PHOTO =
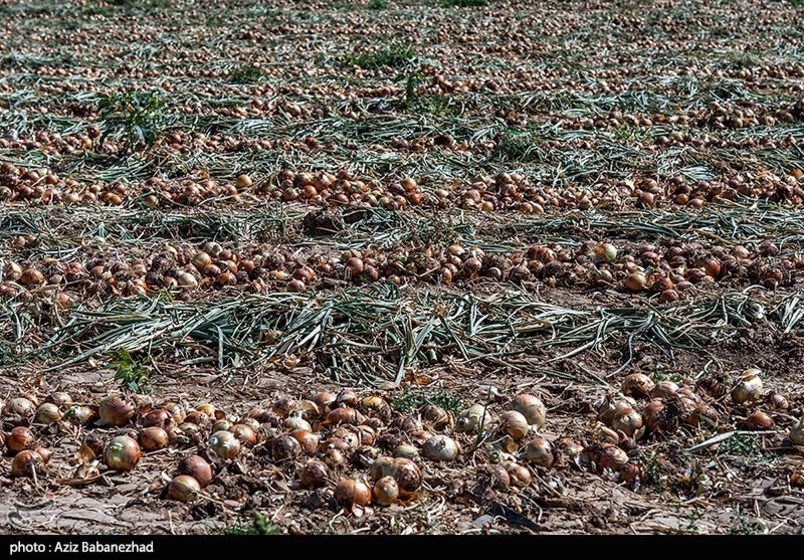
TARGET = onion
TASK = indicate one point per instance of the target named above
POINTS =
(296, 423)
(176, 411)
(539, 452)
(324, 400)
(309, 410)
(285, 447)
(115, 411)
(80, 415)
(122, 453)
(44, 453)
(703, 413)
(347, 397)
(497, 476)
(570, 449)
(284, 407)
(664, 390)
(153, 438)
(532, 408)
(25, 464)
(637, 385)
(406, 451)
(375, 406)
(208, 409)
(198, 418)
(407, 475)
(758, 421)
(352, 493)
(198, 468)
(307, 440)
(658, 418)
(201, 259)
(346, 415)
(635, 282)
(20, 406)
(184, 488)
(158, 417)
(605, 253)
(797, 433)
(519, 475)
(612, 458)
(224, 444)
(627, 421)
(61, 399)
(474, 419)
(748, 388)
(440, 448)
(435, 417)
(222, 424)
(335, 458)
(514, 424)
(20, 439)
(314, 474)
(47, 413)
(386, 491)
(383, 466)
(609, 407)
(245, 434)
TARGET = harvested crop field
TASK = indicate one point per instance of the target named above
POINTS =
(397, 267)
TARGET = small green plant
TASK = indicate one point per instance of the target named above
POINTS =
(132, 374)
(259, 525)
(413, 399)
(395, 55)
(518, 146)
(742, 444)
(246, 75)
(464, 3)
(378, 5)
(137, 116)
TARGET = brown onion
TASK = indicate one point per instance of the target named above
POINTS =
(20, 406)
(514, 424)
(224, 444)
(637, 385)
(20, 439)
(153, 438)
(324, 400)
(122, 453)
(25, 464)
(184, 488)
(539, 452)
(285, 447)
(245, 434)
(748, 388)
(758, 421)
(386, 491)
(407, 475)
(352, 493)
(518, 475)
(314, 474)
(61, 399)
(627, 421)
(307, 440)
(435, 417)
(664, 390)
(345, 415)
(47, 413)
(114, 410)
(612, 458)
(158, 417)
(532, 408)
(440, 448)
